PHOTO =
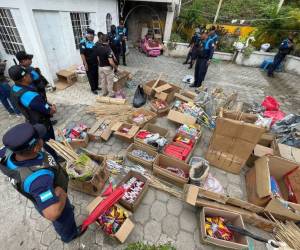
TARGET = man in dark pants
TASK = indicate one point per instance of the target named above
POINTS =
(115, 43)
(89, 60)
(122, 32)
(204, 55)
(285, 48)
(31, 104)
(36, 175)
(194, 46)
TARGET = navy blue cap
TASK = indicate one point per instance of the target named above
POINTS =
(22, 55)
(23, 136)
(17, 72)
(90, 31)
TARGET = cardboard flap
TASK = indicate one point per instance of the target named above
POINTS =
(276, 207)
(163, 88)
(261, 151)
(124, 230)
(191, 194)
(116, 126)
(289, 152)
(262, 177)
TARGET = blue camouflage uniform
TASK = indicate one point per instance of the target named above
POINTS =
(123, 34)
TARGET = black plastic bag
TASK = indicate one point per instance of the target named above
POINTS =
(139, 98)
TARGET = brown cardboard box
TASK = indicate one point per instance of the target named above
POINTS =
(128, 137)
(80, 143)
(96, 184)
(287, 152)
(259, 187)
(186, 96)
(66, 78)
(95, 133)
(153, 129)
(239, 241)
(120, 79)
(126, 227)
(162, 162)
(149, 117)
(181, 118)
(233, 141)
(159, 112)
(146, 164)
(133, 206)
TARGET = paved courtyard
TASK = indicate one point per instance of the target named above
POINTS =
(160, 218)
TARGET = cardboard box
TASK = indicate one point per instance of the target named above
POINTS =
(96, 184)
(239, 241)
(126, 228)
(79, 143)
(133, 206)
(149, 117)
(162, 162)
(259, 187)
(287, 152)
(233, 141)
(66, 78)
(127, 137)
(159, 112)
(181, 118)
(101, 130)
(186, 96)
(120, 79)
(153, 129)
(146, 164)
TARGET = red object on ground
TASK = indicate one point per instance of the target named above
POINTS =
(143, 134)
(270, 104)
(103, 206)
(275, 115)
(178, 150)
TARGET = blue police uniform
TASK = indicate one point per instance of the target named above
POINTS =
(284, 49)
(204, 54)
(192, 55)
(123, 33)
(37, 178)
(38, 81)
(87, 48)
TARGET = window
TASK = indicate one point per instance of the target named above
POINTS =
(80, 22)
(9, 34)
(108, 22)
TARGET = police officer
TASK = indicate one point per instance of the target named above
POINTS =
(204, 55)
(194, 46)
(31, 104)
(285, 48)
(213, 35)
(122, 32)
(115, 43)
(89, 59)
(36, 175)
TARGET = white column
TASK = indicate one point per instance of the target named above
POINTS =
(168, 25)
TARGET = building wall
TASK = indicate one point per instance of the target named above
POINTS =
(23, 13)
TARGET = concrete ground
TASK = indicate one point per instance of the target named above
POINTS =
(160, 218)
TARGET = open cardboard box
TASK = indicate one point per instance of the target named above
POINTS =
(133, 206)
(120, 79)
(128, 137)
(96, 184)
(149, 116)
(95, 133)
(181, 118)
(126, 227)
(146, 164)
(258, 185)
(239, 241)
(162, 162)
(163, 132)
(186, 96)
(287, 152)
(79, 143)
(159, 112)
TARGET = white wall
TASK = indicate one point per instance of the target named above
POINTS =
(22, 11)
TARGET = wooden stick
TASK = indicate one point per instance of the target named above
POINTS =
(154, 85)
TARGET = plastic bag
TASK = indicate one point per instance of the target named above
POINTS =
(213, 185)
(270, 104)
(139, 98)
(275, 115)
(264, 122)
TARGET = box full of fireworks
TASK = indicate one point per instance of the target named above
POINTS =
(125, 131)
(160, 107)
(101, 130)
(142, 116)
(215, 228)
(183, 143)
(171, 170)
(136, 186)
(152, 136)
(142, 155)
(115, 222)
(76, 136)
(95, 181)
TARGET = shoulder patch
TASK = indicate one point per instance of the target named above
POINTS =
(46, 195)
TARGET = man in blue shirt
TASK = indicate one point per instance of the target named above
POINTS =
(285, 48)
(204, 56)
(31, 104)
(115, 43)
(123, 33)
(89, 59)
(36, 175)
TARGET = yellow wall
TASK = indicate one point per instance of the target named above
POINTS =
(244, 30)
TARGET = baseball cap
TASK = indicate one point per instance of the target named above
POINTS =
(17, 72)
(23, 136)
(22, 55)
(90, 31)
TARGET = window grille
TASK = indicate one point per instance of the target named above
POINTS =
(80, 22)
(9, 34)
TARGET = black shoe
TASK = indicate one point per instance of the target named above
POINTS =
(125, 64)
(270, 75)
(98, 88)
(194, 86)
(190, 67)
(53, 122)
(185, 62)
(95, 92)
